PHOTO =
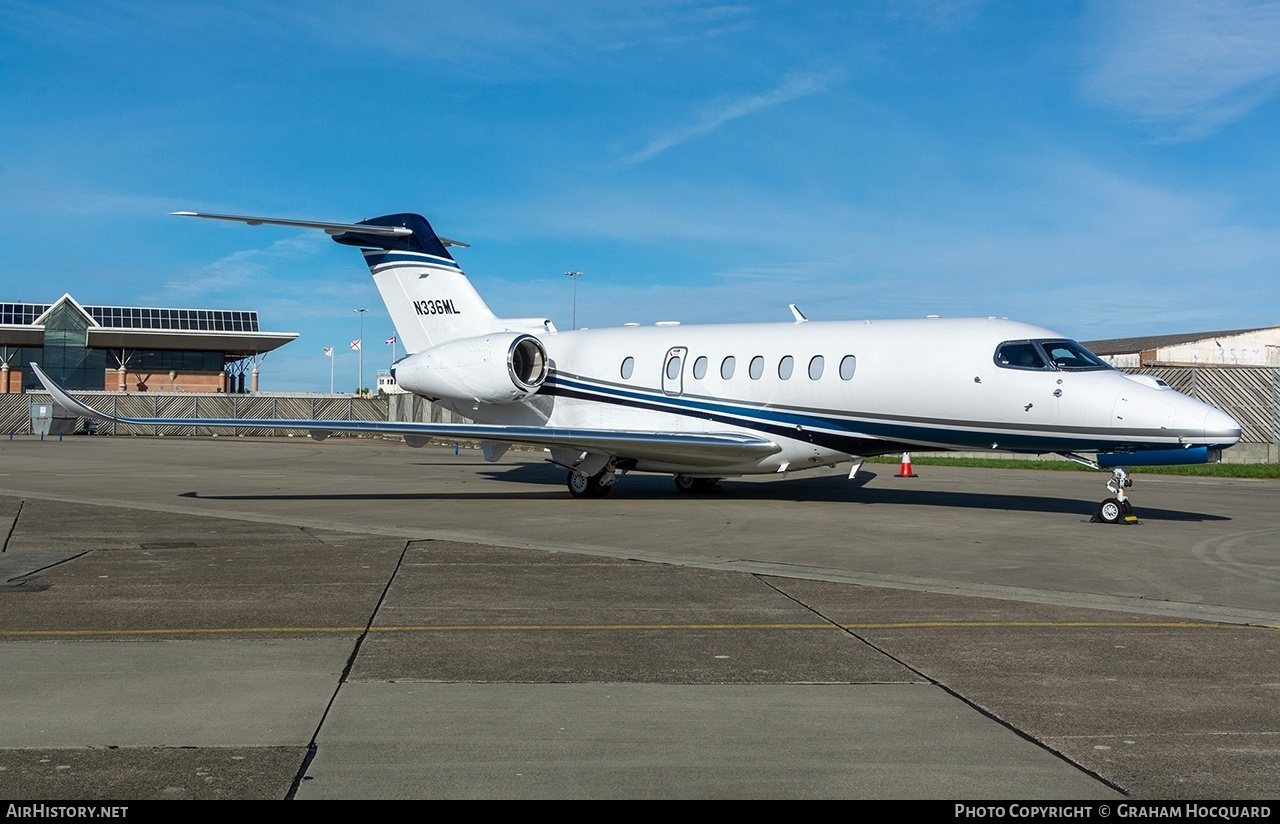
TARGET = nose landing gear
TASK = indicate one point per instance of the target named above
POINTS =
(1117, 510)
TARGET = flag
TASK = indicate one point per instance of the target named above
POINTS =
(355, 344)
(328, 350)
(391, 340)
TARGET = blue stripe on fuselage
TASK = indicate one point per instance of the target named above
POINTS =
(851, 435)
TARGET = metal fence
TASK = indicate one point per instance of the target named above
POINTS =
(15, 414)
(406, 407)
(1250, 394)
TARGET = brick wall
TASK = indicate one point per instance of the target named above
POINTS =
(207, 382)
(10, 381)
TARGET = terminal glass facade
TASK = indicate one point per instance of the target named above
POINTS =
(65, 355)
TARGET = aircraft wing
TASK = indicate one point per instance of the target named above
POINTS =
(710, 449)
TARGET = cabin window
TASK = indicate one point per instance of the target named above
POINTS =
(628, 367)
(786, 366)
(1020, 354)
(673, 367)
(700, 368)
(726, 367)
(756, 368)
(816, 365)
(848, 365)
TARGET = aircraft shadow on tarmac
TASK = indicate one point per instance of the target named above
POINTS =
(825, 489)
(840, 490)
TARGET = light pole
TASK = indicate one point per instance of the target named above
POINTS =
(575, 276)
(360, 350)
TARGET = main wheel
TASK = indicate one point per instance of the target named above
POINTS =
(1111, 511)
(686, 484)
(582, 486)
(587, 486)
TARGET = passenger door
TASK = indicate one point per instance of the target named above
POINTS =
(673, 370)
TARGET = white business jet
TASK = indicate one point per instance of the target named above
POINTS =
(711, 401)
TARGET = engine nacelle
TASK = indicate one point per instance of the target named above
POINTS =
(497, 368)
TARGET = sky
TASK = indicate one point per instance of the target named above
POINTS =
(1103, 169)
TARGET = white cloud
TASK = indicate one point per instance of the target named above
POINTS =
(511, 39)
(1058, 240)
(939, 15)
(42, 193)
(1186, 66)
(249, 270)
(717, 113)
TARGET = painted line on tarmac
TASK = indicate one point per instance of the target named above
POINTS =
(57, 633)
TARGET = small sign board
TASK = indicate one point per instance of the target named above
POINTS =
(41, 418)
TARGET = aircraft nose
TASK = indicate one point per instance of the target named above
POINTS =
(1218, 424)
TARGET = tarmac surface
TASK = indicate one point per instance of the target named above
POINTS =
(275, 618)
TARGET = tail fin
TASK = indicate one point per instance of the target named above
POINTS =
(429, 298)
(430, 301)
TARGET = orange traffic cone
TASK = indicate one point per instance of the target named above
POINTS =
(905, 472)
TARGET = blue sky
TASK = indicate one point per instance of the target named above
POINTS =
(1103, 169)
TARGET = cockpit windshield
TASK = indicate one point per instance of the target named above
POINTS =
(1047, 355)
(1067, 354)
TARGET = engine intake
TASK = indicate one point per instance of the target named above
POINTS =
(527, 363)
(497, 368)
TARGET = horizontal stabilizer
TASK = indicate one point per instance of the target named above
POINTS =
(709, 449)
(330, 228)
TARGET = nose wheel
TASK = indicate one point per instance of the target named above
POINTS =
(1117, 510)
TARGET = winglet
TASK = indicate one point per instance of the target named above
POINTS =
(62, 398)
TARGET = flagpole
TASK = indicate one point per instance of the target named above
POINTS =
(360, 351)
(330, 370)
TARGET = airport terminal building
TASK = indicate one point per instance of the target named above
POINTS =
(132, 349)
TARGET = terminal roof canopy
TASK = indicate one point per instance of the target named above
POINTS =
(232, 332)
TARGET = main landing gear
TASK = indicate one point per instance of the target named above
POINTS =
(591, 486)
(601, 484)
(687, 485)
(1117, 510)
